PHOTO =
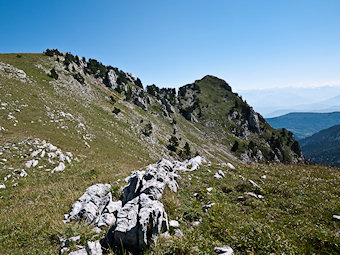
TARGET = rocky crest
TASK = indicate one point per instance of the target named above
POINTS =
(209, 102)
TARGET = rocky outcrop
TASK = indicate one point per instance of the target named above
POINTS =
(12, 72)
(95, 207)
(167, 105)
(140, 216)
(254, 123)
(112, 78)
(140, 103)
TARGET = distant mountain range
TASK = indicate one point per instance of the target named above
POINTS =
(330, 105)
(305, 124)
(275, 102)
(323, 147)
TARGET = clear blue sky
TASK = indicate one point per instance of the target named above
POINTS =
(250, 44)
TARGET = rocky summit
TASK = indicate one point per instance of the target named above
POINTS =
(93, 161)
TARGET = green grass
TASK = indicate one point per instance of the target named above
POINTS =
(294, 217)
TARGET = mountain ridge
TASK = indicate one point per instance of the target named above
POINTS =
(304, 124)
(323, 147)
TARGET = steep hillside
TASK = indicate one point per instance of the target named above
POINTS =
(323, 147)
(67, 122)
(305, 124)
(227, 119)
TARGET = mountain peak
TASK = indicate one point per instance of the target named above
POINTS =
(216, 81)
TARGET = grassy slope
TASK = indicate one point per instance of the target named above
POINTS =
(294, 217)
(31, 213)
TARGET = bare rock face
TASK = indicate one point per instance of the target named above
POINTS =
(167, 105)
(254, 122)
(112, 79)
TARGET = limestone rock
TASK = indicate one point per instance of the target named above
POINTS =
(219, 175)
(208, 206)
(59, 168)
(254, 184)
(225, 250)
(230, 166)
(189, 165)
(95, 206)
(140, 103)
(174, 224)
(31, 163)
(94, 248)
(254, 122)
(336, 217)
(142, 217)
(112, 79)
(168, 106)
(139, 218)
(252, 194)
(79, 252)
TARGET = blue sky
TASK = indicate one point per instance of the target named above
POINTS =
(251, 44)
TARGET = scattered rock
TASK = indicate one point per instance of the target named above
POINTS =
(254, 184)
(220, 172)
(23, 173)
(178, 233)
(337, 217)
(59, 168)
(225, 250)
(230, 166)
(31, 163)
(209, 189)
(219, 175)
(64, 250)
(2, 186)
(189, 165)
(252, 194)
(196, 223)
(174, 223)
(206, 207)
